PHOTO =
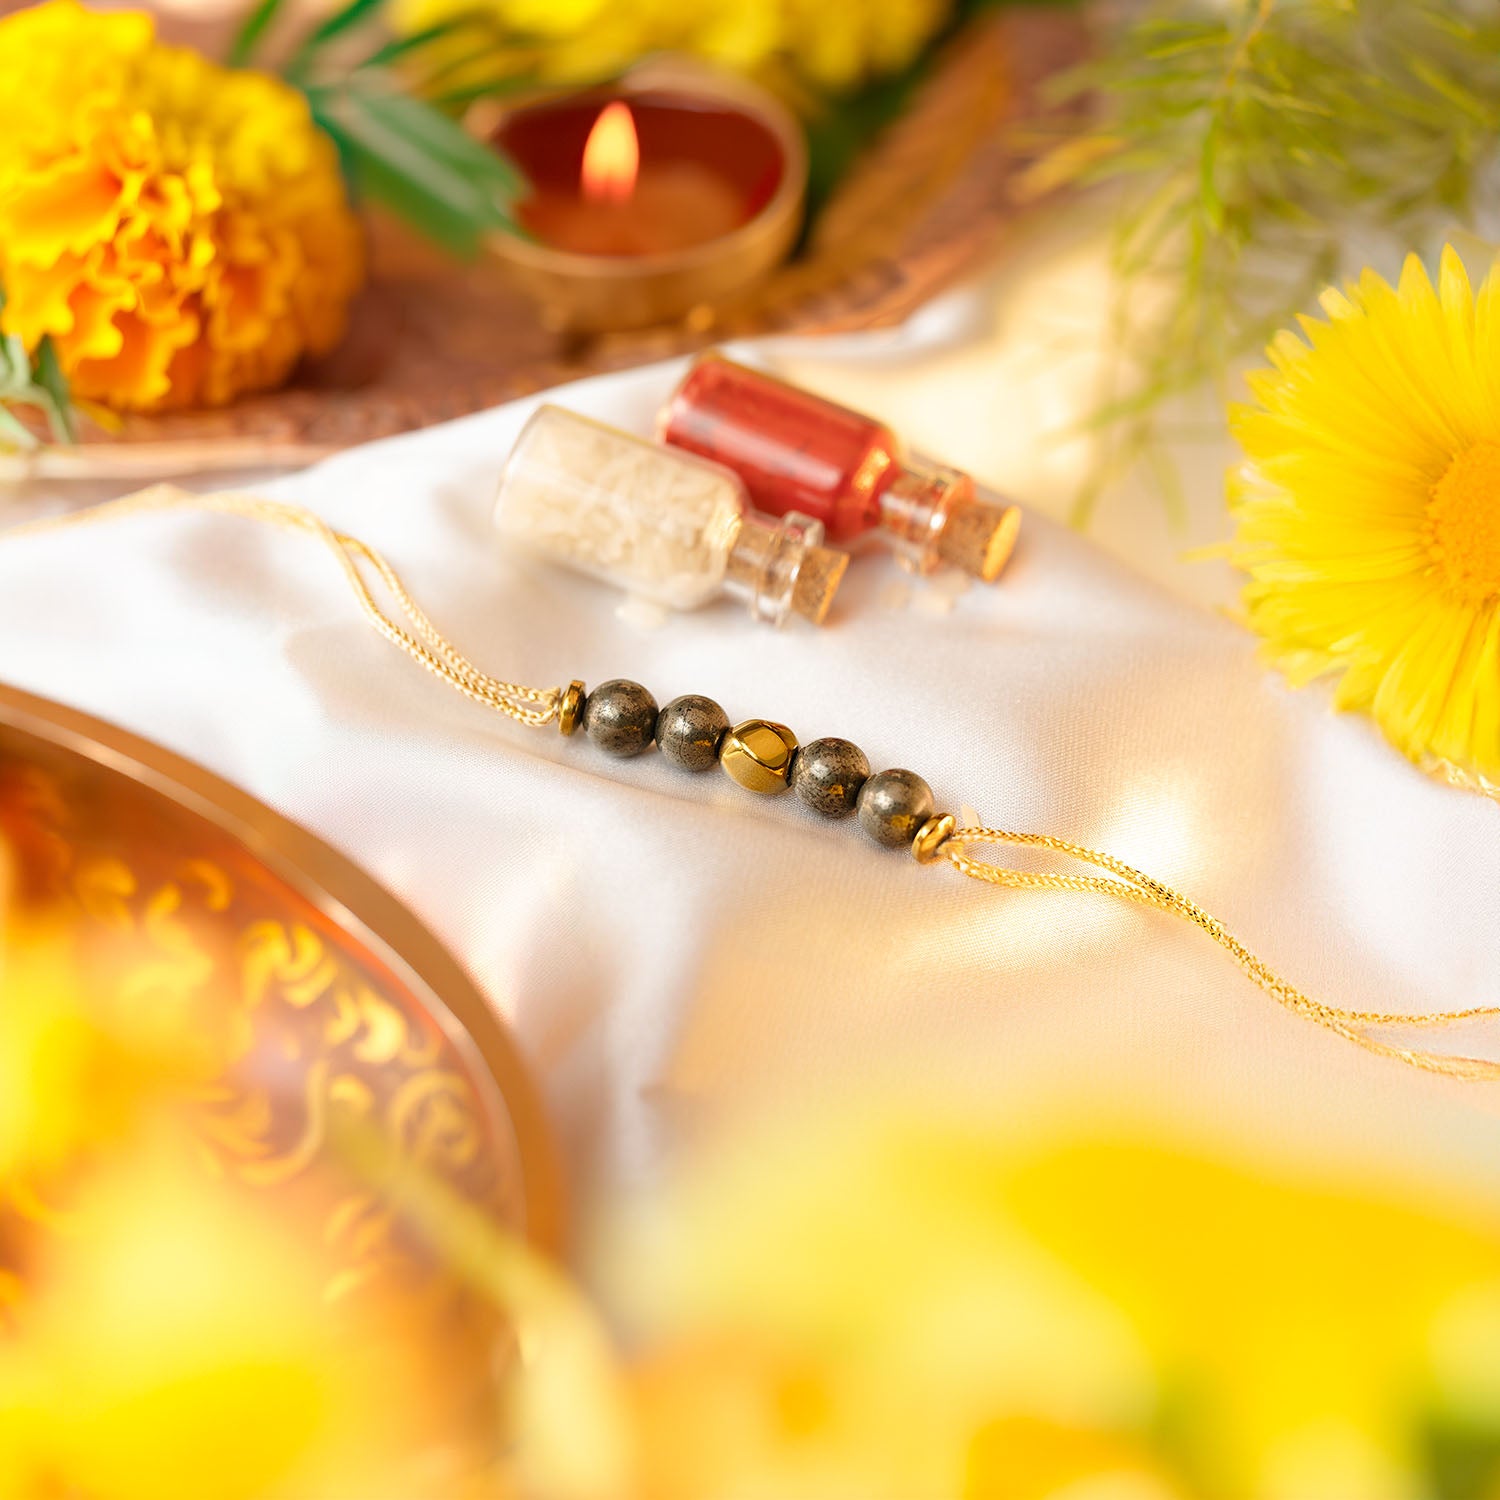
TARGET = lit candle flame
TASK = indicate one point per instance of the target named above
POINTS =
(611, 156)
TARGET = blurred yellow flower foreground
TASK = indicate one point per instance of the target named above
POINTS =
(910, 1304)
(1369, 510)
(179, 230)
(887, 1299)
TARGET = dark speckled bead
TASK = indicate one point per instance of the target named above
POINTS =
(828, 775)
(620, 717)
(893, 805)
(688, 731)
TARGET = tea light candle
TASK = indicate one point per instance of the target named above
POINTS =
(619, 207)
(673, 192)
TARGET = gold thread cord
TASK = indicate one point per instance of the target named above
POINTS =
(424, 642)
(1130, 884)
(431, 650)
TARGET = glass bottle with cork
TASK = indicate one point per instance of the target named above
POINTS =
(797, 452)
(662, 524)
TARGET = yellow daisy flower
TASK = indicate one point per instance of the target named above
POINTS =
(1368, 511)
(179, 230)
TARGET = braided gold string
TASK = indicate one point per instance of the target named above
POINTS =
(432, 651)
(1132, 885)
(428, 647)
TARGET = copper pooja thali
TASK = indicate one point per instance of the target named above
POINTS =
(180, 889)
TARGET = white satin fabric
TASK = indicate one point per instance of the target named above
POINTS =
(670, 948)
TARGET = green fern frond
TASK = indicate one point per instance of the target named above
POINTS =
(1254, 140)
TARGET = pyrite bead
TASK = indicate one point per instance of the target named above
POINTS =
(893, 805)
(688, 731)
(620, 717)
(828, 774)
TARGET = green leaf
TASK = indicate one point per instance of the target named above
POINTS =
(15, 366)
(837, 135)
(419, 163)
(14, 433)
(402, 46)
(440, 137)
(28, 381)
(51, 379)
(345, 18)
(1208, 192)
(252, 33)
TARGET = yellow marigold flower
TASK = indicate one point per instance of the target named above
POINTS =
(1368, 512)
(179, 230)
(835, 45)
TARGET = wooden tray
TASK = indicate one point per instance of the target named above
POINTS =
(928, 203)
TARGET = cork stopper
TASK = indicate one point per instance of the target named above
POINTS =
(780, 566)
(818, 580)
(930, 514)
(979, 538)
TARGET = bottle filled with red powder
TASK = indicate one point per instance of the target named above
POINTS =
(799, 452)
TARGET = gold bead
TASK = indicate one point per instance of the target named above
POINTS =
(758, 755)
(931, 837)
(570, 707)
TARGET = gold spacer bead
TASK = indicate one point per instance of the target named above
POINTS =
(758, 754)
(570, 707)
(931, 837)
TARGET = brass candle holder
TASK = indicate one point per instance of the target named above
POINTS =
(728, 126)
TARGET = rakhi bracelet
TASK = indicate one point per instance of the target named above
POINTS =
(831, 776)
(896, 808)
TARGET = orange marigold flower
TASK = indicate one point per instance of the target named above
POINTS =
(180, 230)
